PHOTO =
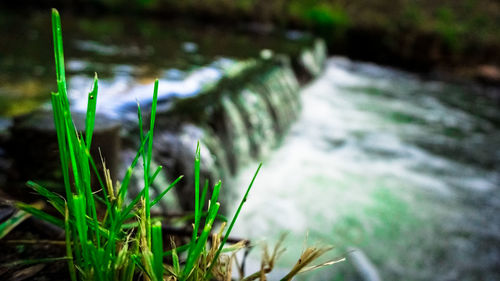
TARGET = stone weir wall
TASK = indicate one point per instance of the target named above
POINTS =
(239, 118)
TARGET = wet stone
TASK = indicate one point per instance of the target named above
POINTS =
(35, 154)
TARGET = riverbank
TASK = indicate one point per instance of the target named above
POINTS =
(461, 38)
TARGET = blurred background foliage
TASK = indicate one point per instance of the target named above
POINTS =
(413, 33)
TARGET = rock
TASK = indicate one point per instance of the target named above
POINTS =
(35, 155)
(311, 61)
(488, 74)
(175, 150)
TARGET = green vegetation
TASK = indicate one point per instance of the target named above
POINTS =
(329, 21)
(109, 237)
(458, 29)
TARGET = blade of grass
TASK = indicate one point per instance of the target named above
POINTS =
(104, 200)
(147, 258)
(139, 119)
(69, 251)
(61, 140)
(155, 174)
(71, 134)
(215, 195)
(126, 180)
(83, 160)
(54, 199)
(40, 214)
(228, 232)
(11, 223)
(81, 227)
(165, 191)
(203, 195)
(91, 108)
(175, 258)
(58, 48)
(147, 164)
(202, 241)
(178, 250)
(197, 218)
(157, 250)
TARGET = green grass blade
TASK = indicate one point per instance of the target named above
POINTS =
(126, 180)
(147, 164)
(128, 209)
(203, 196)
(197, 162)
(40, 214)
(179, 250)
(235, 217)
(202, 241)
(155, 174)
(157, 250)
(90, 118)
(215, 195)
(54, 199)
(160, 196)
(81, 227)
(139, 119)
(104, 200)
(58, 47)
(11, 223)
(61, 140)
(69, 251)
(129, 272)
(95, 226)
(197, 217)
(175, 261)
(137, 261)
(81, 166)
(71, 135)
(151, 126)
(59, 59)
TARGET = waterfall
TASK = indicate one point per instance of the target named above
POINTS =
(240, 118)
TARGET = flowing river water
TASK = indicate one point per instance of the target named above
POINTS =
(403, 168)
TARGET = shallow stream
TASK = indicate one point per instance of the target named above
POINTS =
(403, 168)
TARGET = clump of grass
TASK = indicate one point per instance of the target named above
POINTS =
(109, 238)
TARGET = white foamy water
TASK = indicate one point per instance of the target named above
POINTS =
(385, 162)
(124, 90)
